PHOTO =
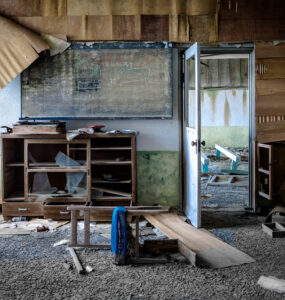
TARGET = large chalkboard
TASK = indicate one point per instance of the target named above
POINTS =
(99, 83)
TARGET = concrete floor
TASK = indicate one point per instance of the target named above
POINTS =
(224, 197)
(31, 268)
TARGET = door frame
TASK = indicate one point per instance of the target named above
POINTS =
(228, 49)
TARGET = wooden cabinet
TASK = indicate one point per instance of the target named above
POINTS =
(42, 174)
(271, 169)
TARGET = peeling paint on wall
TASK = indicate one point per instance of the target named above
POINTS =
(158, 178)
(227, 112)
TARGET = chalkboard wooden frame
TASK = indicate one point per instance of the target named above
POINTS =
(127, 46)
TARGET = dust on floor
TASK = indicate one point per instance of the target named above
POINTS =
(31, 268)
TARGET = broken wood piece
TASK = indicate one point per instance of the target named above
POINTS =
(275, 230)
(199, 247)
(272, 283)
(76, 261)
(110, 191)
(160, 246)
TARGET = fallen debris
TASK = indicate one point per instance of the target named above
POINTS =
(88, 269)
(275, 230)
(272, 283)
(61, 242)
(76, 261)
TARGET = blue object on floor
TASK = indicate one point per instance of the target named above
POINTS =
(119, 218)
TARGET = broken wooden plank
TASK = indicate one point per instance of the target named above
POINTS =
(275, 229)
(111, 191)
(202, 248)
(76, 261)
(272, 283)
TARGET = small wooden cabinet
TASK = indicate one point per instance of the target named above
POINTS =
(43, 174)
(271, 169)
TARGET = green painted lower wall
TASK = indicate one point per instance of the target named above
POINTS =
(228, 136)
(158, 178)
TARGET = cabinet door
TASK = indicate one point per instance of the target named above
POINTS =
(264, 156)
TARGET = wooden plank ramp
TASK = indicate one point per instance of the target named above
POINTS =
(199, 247)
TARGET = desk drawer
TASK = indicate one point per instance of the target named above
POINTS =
(58, 211)
(23, 209)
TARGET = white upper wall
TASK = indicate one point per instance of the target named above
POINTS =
(10, 103)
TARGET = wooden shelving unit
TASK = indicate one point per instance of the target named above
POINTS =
(106, 162)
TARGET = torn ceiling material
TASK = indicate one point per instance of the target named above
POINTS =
(19, 49)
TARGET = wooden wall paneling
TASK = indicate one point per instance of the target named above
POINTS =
(247, 20)
(270, 132)
(99, 28)
(272, 105)
(77, 8)
(126, 27)
(269, 87)
(203, 28)
(201, 7)
(126, 7)
(268, 50)
(89, 7)
(158, 7)
(178, 28)
(273, 68)
(154, 28)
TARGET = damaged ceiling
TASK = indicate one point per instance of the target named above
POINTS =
(130, 20)
(19, 48)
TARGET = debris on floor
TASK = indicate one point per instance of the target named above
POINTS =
(26, 227)
(272, 283)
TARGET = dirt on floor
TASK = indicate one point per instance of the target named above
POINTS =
(31, 268)
(226, 196)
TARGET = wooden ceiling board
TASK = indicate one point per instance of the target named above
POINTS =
(19, 48)
(100, 7)
(126, 28)
(154, 28)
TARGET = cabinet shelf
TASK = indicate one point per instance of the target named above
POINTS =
(57, 169)
(17, 196)
(113, 182)
(15, 164)
(111, 162)
(111, 198)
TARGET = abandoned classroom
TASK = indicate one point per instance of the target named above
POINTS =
(142, 149)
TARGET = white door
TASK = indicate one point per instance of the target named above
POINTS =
(191, 135)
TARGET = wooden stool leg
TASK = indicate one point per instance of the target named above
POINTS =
(137, 244)
(87, 227)
(73, 227)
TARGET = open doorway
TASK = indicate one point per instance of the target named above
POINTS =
(218, 131)
(225, 130)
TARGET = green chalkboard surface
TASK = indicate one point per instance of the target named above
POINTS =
(99, 83)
